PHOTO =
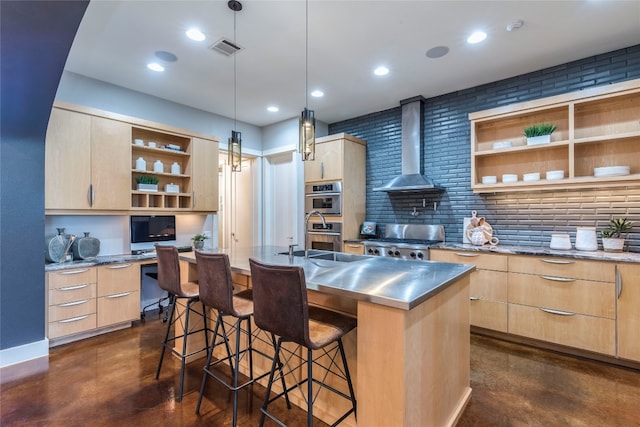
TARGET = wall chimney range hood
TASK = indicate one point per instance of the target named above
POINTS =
(411, 180)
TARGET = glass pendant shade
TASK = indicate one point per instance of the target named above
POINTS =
(235, 151)
(307, 145)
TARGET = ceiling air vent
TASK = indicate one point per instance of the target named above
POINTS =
(225, 47)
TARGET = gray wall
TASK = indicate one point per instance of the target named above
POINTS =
(525, 218)
(36, 37)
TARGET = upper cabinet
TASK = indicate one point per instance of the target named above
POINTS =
(595, 129)
(86, 162)
(95, 160)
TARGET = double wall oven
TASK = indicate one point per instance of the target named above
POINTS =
(325, 198)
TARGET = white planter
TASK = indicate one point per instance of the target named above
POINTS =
(148, 187)
(536, 140)
(612, 244)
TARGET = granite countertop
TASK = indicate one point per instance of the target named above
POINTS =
(386, 281)
(99, 260)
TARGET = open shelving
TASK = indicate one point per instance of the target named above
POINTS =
(595, 128)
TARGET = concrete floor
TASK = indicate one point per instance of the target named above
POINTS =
(109, 380)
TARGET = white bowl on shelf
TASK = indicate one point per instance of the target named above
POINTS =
(559, 174)
(508, 178)
(502, 144)
(534, 176)
(611, 171)
(489, 179)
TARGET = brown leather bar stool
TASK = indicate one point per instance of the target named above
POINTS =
(281, 307)
(169, 280)
(216, 292)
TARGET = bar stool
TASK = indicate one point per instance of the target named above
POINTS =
(281, 307)
(216, 292)
(169, 280)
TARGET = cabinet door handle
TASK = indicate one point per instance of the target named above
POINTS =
(557, 261)
(465, 254)
(618, 282)
(74, 272)
(71, 304)
(561, 313)
(558, 279)
(474, 298)
(194, 199)
(73, 288)
(321, 170)
(117, 266)
(73, 319)
(124, 294)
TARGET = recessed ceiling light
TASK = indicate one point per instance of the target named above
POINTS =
(166, 56)
(515, 25)
(155, 66)
(437, 52)
(273, 109)
(195, 34)
(381, 71)
(477, 37)
(317, 93)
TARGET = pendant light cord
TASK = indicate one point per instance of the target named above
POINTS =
(235, 77)
(306, 58)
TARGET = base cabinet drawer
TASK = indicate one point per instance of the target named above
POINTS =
(72, 293)
(72, 325)
(76, 276)
(488, 314)
(574, 330)
(72, 309)
(118, 308)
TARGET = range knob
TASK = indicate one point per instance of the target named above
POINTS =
(420, 255)
(413, 255)
(397, 253)
(390, 252)
(370, 251)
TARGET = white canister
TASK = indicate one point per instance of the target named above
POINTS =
(141, 165)
(560, 241)
(158, 166)
(175, 168)
(586, 239)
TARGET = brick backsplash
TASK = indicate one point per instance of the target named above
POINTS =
(523, 218)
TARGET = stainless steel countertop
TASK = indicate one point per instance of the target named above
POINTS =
(397, 283)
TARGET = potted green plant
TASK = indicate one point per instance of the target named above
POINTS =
(198, 241)
(612, 240)
(539, 133)
(147, 183)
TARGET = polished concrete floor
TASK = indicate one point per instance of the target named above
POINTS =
(109, 380)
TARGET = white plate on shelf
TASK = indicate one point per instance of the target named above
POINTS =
(611, 171)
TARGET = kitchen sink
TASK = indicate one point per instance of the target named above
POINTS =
(327, 255)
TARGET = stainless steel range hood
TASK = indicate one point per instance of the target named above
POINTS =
(411, 180)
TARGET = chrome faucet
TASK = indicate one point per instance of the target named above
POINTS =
(306, 229)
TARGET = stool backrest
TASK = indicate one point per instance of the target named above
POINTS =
(214, 279)
(280, 301)
(168, 269)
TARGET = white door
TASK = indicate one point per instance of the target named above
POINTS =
(283, 212)
(235, 205)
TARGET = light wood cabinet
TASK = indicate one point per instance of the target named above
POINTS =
(71, 301)
(86, 162)
(118, 296)
(205, 175)
(488, 288)
(628, 321)
(595, 128)
(342, 157)
(563, 301)
(353, 248)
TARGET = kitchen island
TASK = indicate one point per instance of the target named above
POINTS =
(411, 346)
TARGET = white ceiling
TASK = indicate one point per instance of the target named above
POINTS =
(347, 40)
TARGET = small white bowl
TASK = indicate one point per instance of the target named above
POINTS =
(555, 174)
(611, 171)
(534, 176)
(138, 141)
(507, 178)
(489, 179)
(502, 144)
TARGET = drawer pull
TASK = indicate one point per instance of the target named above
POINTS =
(124, 294)
(561, 313)
(474, 298)
(74, 272)
(558, 279)
(465, 254)
(72, 288)
(618, 283)
(354, 246)
(557, 261)
(71, 304)
(117, 266)
(74, 319)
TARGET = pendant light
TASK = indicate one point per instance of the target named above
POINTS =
(235, 142)
(307, 146)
